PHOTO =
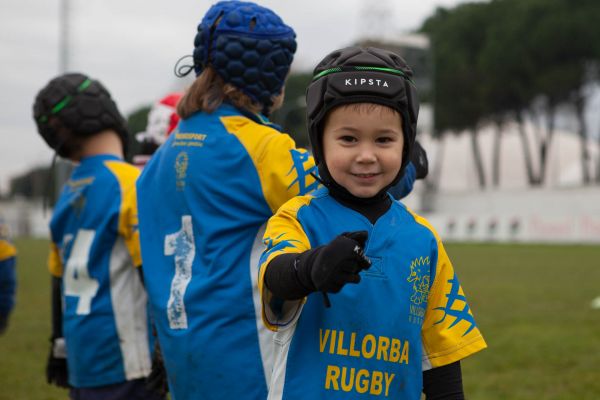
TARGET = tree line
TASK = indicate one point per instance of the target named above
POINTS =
(499, 63)
(507, 61)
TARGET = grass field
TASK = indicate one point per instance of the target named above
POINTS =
(532, 304)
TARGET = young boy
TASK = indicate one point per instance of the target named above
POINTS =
(405, 311)
(99, 302)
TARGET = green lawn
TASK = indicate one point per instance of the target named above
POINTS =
(532, 304)
(24, 347)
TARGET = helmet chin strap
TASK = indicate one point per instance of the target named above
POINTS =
(340, 192)
(182, 70)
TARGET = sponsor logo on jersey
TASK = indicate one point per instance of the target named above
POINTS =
(78, 184)
(188, 139)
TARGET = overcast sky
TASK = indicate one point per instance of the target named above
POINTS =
(132, 46)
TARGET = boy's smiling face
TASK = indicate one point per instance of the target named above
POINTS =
(362, 146)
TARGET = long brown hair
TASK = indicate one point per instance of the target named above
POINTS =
(209, 91)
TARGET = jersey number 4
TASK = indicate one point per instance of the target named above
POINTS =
(181, 245)
(77, 280)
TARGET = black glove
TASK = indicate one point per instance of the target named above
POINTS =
(328, 268)
(157, 380)
(56, 369)
(418, 157)
(339, 262)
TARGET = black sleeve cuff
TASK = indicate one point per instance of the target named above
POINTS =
(443, 383)
(288, 275)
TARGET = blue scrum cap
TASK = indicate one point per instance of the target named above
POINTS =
(249, 46)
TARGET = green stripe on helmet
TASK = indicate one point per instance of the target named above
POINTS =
(64, 102)
(84, 85)
(359, 68)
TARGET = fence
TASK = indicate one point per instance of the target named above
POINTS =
(533, 215)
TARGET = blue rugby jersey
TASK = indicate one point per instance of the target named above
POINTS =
(95, 249)
(407, 314)
(202, 200)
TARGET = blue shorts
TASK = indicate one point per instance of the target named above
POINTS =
(129, 390)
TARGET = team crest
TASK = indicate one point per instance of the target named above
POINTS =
(419, 277)
(79, 204)
(181, 166)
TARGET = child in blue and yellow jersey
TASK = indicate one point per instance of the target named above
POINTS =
(8, 276)
(392, 320)
(203, 200)
(100, 328)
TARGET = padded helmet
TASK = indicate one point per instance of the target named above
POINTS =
(249, 47)
(361, 75)
(81, 105)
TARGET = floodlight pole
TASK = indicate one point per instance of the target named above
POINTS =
(62, 169)
(63, 65)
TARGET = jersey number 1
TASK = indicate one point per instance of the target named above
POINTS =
(181, 245)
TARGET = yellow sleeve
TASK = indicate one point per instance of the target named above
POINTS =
(284, 234)
(7, 249)
(449, 331)
(128, 218)
(284, 171)
(54, 261)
